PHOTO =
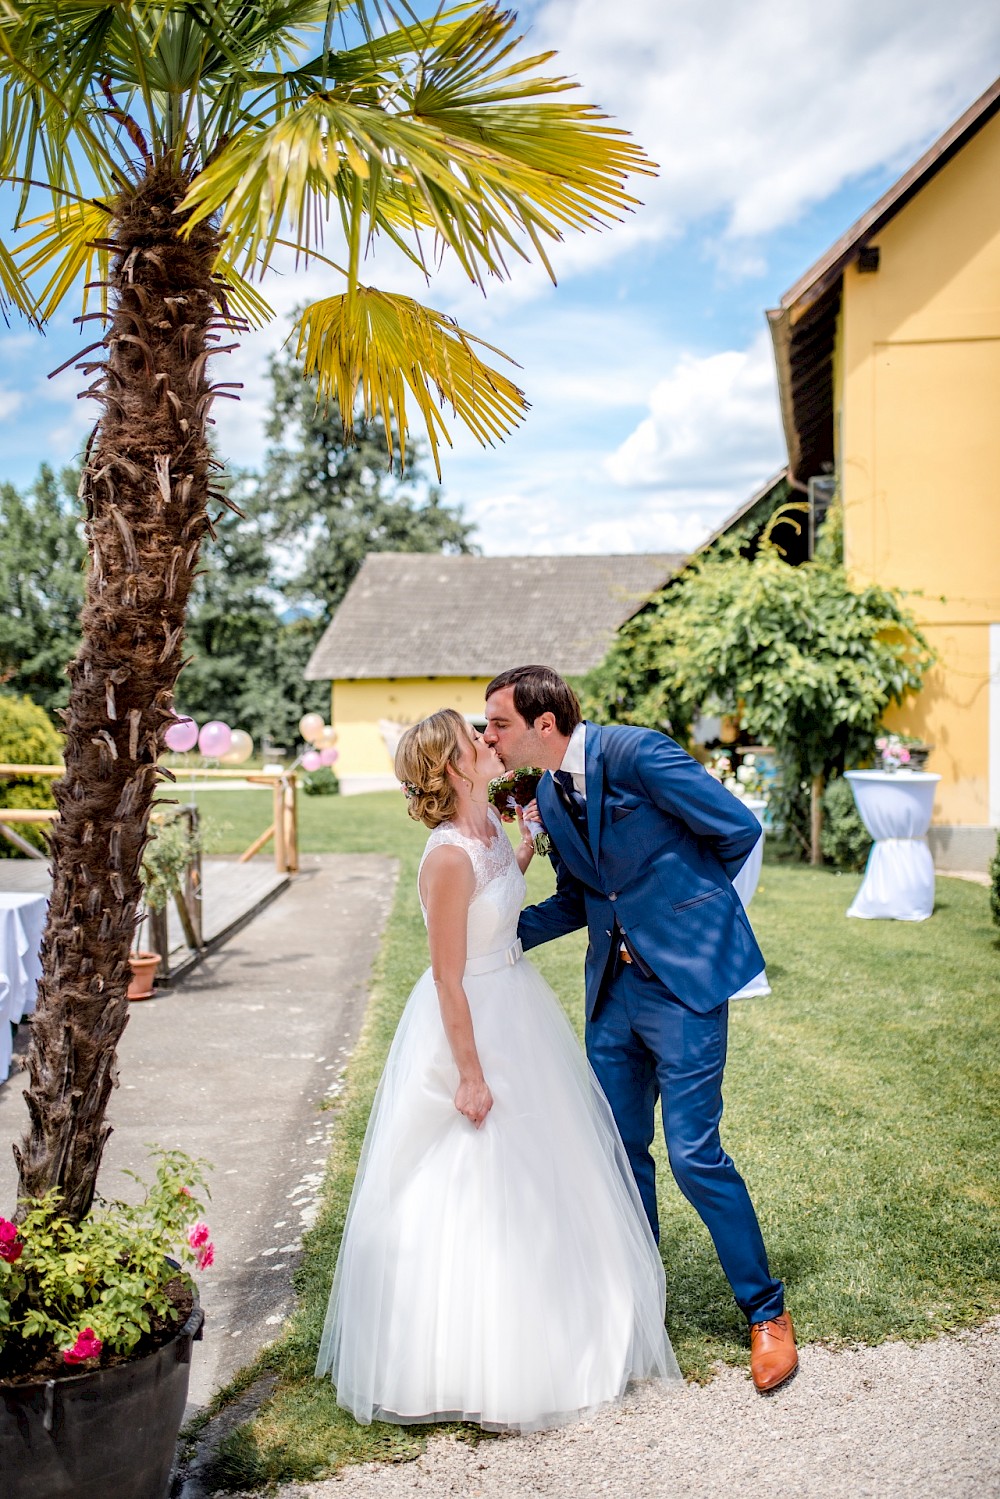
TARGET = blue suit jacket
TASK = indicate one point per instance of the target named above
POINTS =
(665, 841)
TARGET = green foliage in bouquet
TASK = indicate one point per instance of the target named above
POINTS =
(27, 737)
(84, 1292)
(844, 841)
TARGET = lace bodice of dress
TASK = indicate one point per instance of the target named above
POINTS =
(499, 892)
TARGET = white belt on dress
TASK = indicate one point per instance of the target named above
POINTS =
(491, 961)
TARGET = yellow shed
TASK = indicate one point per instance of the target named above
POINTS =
(888, 358)
(420, 631)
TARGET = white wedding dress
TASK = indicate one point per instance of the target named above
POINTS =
(505, 1275)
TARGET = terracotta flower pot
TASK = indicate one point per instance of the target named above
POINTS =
(144, 966)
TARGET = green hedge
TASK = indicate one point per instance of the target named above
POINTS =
(844, 841)
(27, 737)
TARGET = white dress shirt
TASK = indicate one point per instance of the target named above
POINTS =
(575, 758)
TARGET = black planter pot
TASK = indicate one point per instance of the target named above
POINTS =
(104, 1434)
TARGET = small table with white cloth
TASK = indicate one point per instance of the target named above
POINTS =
(895, 807)
(22, 919)
(745, 885)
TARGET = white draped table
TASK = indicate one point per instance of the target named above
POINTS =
(895, 807)
(22, 918)
(745, 885)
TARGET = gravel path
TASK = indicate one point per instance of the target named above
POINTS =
(866, 1423)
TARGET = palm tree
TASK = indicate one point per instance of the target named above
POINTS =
(182, 145)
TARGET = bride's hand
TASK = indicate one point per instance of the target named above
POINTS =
(532, 814)
(474, 1100)
(525, 851)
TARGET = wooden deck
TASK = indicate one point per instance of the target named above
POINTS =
(232, 894)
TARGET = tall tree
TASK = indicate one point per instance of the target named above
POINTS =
(808, 662)
(247, 650)
(181, 145)
(334, 502)
(42, 557)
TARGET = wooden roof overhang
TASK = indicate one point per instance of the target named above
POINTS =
(804, 327)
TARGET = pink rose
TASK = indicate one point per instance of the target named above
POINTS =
(11, 1247)
(206, 1257)
(87, 1345)
(198, 1234)
(185, 1191)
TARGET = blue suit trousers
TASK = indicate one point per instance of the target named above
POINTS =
(643, 1042)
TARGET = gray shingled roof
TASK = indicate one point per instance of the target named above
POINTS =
(410, 614)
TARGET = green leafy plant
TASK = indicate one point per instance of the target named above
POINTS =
(27, 737)
(995, 884)
(320, 782)
(808, 662)
(89, 1293)
(844, 841)
(167, 857)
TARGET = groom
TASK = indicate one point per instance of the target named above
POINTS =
(647, 844)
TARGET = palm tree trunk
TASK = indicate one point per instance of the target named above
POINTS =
(146, 485)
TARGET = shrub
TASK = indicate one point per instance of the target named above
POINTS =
(995, 884)
(320, 782)
(27, 737)
(845, 841)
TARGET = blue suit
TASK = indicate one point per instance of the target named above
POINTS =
(653, 867)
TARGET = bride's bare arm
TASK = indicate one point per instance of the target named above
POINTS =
(525, 851)
(448, 887)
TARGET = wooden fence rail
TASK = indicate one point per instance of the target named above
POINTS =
(284, 828)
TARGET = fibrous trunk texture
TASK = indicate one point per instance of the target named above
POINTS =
(146, 485)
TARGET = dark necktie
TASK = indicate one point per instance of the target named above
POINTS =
(574, 801)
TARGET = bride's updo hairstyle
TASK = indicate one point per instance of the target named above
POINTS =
(422, 759)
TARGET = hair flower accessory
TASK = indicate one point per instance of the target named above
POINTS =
(409, 790)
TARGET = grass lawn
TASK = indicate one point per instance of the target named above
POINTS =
(861, 1107)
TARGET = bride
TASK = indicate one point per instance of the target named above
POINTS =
(496, 1264)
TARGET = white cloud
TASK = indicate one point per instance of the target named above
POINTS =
(757, 111)
(713, 422)
(10, 401)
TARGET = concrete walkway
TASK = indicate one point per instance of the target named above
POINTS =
(232, 1064)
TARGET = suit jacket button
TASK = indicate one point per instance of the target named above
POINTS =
(613, 895)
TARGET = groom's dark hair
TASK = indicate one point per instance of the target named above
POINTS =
(539, 689)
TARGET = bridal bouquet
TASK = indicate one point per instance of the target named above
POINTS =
(516, 789)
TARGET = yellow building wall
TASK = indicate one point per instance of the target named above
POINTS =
(357, 707)
(917, 382)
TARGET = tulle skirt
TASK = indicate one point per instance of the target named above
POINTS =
(505, 1275)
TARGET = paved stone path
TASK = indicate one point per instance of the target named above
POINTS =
(232, 1064)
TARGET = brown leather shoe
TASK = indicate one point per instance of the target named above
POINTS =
(773, 1355)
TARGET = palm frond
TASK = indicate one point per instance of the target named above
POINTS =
(14, 290)
(480, 147)
(241, 297)
(71, 241)
(387, 344)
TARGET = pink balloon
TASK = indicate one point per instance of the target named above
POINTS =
(182, 735)
(329, 756)
(215, 739)
(311, 760)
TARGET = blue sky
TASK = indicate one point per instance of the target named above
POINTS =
(654, 413)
